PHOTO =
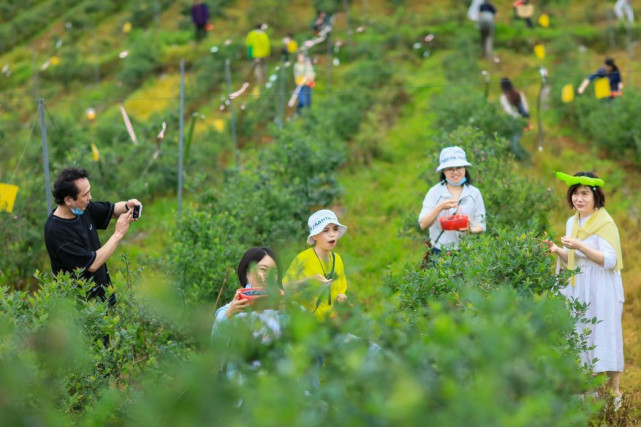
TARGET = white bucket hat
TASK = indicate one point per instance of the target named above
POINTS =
(452, 157)
(321, 219)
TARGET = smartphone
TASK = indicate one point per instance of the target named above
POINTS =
(137, 211)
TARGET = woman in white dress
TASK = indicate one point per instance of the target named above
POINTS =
(592, 244)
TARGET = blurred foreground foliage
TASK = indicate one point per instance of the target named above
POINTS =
(496, 356)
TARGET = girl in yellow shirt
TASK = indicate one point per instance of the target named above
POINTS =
(317, 274)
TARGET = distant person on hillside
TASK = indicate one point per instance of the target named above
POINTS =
(609, 71)
(71, 231)
(259, 50)
(200, 18)
(317, 275)
(473, 10)
(591, 244)
(322, 24)
(487, 14)
(524, 10)
(304, 76)
(623, 10)
(453, 195)
(514, 104)
(289, 47)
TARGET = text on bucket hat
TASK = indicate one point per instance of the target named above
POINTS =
(452, 157)
(321, 219)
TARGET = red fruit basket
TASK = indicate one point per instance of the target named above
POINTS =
(252, 293)
(454, 222)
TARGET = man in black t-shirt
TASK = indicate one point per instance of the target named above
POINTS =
(71, 231)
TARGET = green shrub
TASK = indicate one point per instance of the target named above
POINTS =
(142, 14)
(55, 337)
(487, 365)
(508, 257)
(329, 6)
(271, 13)
(31, 21)
(254, 115)
(9, 9)
(141, 62)
(217, 7)
(463, 107)
(611, 124)
(461, 64)
(22, 230)
(72, 68)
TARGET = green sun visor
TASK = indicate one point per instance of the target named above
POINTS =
(583, 180)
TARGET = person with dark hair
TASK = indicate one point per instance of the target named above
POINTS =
(487, 15)
(71, 230)
(253, 271)
(200, 18)
(609, 71)
(514, 104)
(513, 101)
(321, 24)
(454, 194)
(592, 244)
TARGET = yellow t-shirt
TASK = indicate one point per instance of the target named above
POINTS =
(260, 45)
(292, 46)
(307, 264)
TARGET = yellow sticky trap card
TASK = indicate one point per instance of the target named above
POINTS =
(539, 51)
(8, 194)
(219, 125)
(567, 93)
(544, 20)
(95, 152)
(602, 88)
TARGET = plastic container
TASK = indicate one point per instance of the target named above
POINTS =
(454, 222)
(252, 293)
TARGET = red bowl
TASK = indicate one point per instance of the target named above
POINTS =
(252, 293)
(454, 222)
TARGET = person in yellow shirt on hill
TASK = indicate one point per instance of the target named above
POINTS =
(289, 47)
(259, 49)
(317, 275)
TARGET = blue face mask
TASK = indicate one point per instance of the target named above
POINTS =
(77, 211)
(463, 181)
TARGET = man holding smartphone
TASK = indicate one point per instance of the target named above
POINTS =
(71, 231)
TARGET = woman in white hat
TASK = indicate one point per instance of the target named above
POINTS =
(318, 272)
(454, 194)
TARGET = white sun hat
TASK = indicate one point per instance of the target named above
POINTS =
(321, 219)
(452, 157)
